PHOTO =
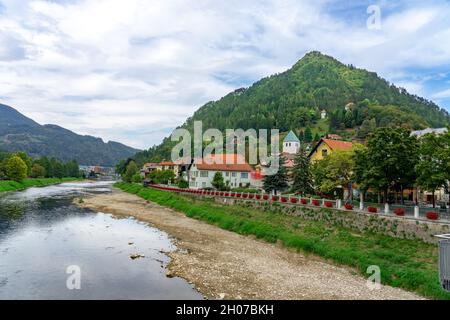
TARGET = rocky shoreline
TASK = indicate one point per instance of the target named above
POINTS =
(225, 265)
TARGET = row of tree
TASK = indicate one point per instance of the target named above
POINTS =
(392, 161)
(19, 166)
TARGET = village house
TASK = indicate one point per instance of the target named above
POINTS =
(291, 144)
(327, 146)
(235, 173)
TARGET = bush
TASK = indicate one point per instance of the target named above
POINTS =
(137, 178)
(372, 209)
(316, 202)
(182, 184)
(294, 200)
(348, 206)
(328, 204)
(399, 211)
(432, 215)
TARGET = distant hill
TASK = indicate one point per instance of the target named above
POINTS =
(19, 133)
(355, 100)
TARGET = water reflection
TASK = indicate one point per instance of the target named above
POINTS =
(42, 233)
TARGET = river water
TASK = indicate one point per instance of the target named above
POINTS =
(51, 249)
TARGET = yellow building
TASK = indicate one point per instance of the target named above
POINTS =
(327, 146)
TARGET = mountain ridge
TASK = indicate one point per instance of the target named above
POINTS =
(293, 100)
(20, 133)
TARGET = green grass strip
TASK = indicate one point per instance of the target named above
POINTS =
(408, 264)
(8, 185)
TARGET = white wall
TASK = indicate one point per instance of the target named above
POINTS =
(291, 147)
(198, 180)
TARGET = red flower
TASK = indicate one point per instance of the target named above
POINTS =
(316, 202)
(399, 211)
(265, 197)
(238, 195)
(304, 201)
(348, 206)
(227, 194)
(372, 209)
(294, 200)
(258, 196)
(274, 198)
(251, 196)
(432, 215)
(283, 199)
(328, 204)
(245, 196)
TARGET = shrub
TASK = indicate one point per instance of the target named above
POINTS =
(294, 200)
(316, 202)
(399, 211)
(348, 206)
(304, 201)
(432, 215)
(372, 209)
(328, 204)
(274, 198)
(283, 199)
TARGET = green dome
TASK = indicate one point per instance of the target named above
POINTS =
(291, 137)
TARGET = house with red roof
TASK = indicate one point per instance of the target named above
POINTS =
(235, 170)
(327, 146)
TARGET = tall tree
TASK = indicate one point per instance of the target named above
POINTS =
(16, 168)
(301, 173)
(308, 134)
(389, 160)
(334, 172)
(431, 168)
(218, 181)
(277, 181)
(130, 171)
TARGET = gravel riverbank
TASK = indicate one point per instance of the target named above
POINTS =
(223, 264)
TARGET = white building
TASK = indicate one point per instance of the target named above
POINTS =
(421, 133)
(291, 144)
(323, 114)
(235, 173)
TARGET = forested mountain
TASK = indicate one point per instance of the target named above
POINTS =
(356, 101)
(19, 133)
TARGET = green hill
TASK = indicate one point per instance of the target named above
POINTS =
(294, 99)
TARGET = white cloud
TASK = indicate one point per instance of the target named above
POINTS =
(131, 70)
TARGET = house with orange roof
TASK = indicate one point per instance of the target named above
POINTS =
(327, 146)
(235, 170)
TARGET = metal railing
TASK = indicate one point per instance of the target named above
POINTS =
(444, 260)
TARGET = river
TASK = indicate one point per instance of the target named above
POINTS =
(51, 249)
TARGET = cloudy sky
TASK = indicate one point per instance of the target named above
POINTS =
(132, 70)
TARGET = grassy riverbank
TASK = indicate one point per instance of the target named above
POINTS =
(409, 264)
(8, 185)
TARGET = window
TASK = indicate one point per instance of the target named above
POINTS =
(203, 184)
(227, 174)
(204, 174)
(233, 174)
(244, 175)
(324, 152)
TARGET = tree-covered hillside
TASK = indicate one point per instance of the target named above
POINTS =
(356, 101)
(19, 133)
